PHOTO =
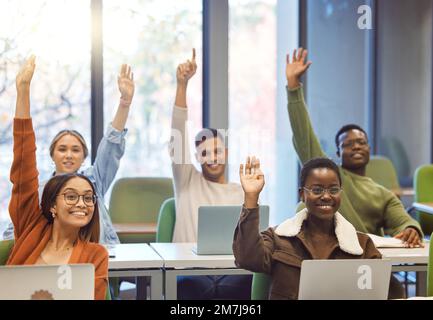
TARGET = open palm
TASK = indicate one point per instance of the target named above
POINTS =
(252, 179)
(25, 75)
(298, 66)
(125, 82)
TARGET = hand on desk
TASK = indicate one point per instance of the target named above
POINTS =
(410, 237)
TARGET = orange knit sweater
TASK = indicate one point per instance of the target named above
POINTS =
(32, 230)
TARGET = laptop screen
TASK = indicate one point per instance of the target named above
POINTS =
(48, 282)
(352, 279)
(216, 226)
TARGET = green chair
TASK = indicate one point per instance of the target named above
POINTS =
(394, 150)
(430, 272)
(382, 171)
(166, 221)
(260, 286)
(138, 200)
(5, 249)
(423, 186)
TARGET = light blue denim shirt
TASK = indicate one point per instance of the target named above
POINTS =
(102, 173)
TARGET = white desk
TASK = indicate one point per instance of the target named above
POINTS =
(410, 259)
(179, 259)
(138, 260)
(426, 207)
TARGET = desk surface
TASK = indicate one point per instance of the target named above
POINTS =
(134, 256)
(135, 228)
(406, 255)
(424, 206)
(180, 255)
(404, 192)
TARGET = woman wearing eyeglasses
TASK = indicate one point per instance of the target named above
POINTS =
(68, 150)
(317, 232)
(64, 228)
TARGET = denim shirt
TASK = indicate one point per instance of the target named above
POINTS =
(102, 173)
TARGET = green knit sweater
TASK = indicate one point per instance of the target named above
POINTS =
(370, 207)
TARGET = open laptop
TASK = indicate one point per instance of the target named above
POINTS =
(357, 279)
(216, 226)
(47, 282)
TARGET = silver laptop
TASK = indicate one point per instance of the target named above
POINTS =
(216, 226)
(48, 282)
(362, 279)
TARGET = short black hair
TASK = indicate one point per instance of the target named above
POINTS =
(346, 128)
(207, 133)
(318, 163)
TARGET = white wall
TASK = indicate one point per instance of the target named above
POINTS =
(404, 69)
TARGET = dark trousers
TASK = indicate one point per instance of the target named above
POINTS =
(237, 287)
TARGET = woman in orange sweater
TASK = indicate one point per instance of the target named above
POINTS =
(64, 228)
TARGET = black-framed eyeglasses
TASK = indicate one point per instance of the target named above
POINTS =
(72, 198)
(319, 191)
(350, 143)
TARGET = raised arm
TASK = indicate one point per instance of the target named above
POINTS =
(252, 249)
(305, 140)
(125, 82)
(112, 146)
(185, 71)
(180, 151)
(24, 203)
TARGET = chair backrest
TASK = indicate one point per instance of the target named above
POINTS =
(108, 293)
(393, 149)
(423, 187)
(5, 249)
(135, 200)
(166, 221)
(260, 286)
(430, 271)
(382, 171)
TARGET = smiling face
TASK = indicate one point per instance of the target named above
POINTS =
(70, 211)
(354, 150)
(68, 154)
(212, 156)
(325, 205)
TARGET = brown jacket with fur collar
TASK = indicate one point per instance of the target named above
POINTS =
(280, 251)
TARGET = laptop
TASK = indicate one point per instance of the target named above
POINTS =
(216, 226)
(357, 279)
(47, 282)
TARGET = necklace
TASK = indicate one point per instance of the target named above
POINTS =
(56, 249)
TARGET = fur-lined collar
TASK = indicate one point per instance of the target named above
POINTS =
(344, 230)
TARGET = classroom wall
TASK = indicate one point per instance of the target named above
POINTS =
(404, 76)
(337, 78)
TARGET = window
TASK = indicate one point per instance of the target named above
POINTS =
(260, 33)
(60, 95)
(337, 80)
(153, 37)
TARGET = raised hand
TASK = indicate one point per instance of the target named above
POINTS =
(186, 70)
(25, 75)
(125, 82)
(296, 68)
(252, 181)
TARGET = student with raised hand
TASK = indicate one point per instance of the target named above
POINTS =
(64, 228)
(194, 189)
(317, 232)
(68, 150)
(370, 207)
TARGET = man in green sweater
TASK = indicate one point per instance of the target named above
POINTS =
(370, 207)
